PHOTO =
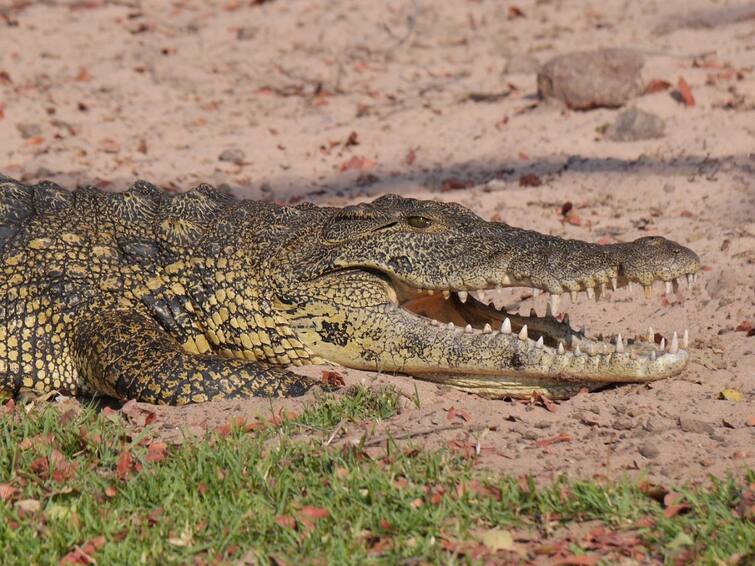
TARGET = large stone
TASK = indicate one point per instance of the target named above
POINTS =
(592, 79)
(634, 124)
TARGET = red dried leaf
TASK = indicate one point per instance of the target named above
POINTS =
(333, 378)
(561, 437)
(223, 430)
(353, 139)
(674, 510)
(453, 184)
(744, 326)
(686, 92)
(358, 163)
(77, 556)
(153, 517)
(7, 491)
(286, 521)
(124, 466)
(577, 560)
(83, 75)
(314, 513)
(530, 180)
(515, 12)
(657, 85)
(156, 451)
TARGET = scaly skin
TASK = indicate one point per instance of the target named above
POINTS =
(197, 296)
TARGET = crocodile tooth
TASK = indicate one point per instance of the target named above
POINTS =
(619, 345)
(663, 344)
(651, 334)
(561, 348)
(674, 344)
(614, 283)
(487, 328)
(539, 343)
(577, 351)
(430, 291)
(669, 287)
(554, 302)
(463, 296)
(574, 297)
(523, 332)
(446, 294)
(602, 289)
(648, 291)
(506, 326)
(652, 356)
(506, 280)
(450, 326)
(676, 285)
(690, 280)
(468, 328)
(590, 293)
(685, 339)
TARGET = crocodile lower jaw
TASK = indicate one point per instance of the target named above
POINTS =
(586, 363)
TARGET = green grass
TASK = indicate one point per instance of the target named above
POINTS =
(245, 497)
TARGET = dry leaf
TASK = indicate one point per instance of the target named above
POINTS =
(686, 92)
(496, 539)
(731, 395)
(7, 491)
(657, 85)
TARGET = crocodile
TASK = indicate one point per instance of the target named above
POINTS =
(189, 297)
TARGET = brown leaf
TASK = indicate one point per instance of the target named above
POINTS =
(333, 378)
(286, 521)
(83, 75)
(674, 510)
(577, 560)
(561, 437)
(156, 451)
(352, 139)
(358, 163)
(124, 466)
(77, 556)
(314, 512)
(530, 180)
(453, 184)
(657, 85)
(7, 491)
(515, 12)
(686, 92)
(744, 326)
(453, 412)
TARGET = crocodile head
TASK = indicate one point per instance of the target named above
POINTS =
(403, 285)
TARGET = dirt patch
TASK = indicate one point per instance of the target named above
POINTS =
(333, 101)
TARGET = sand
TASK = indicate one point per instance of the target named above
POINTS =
(338, 101)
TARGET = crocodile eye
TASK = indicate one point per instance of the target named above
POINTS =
(418, 222)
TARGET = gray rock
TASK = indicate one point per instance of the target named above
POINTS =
(688, 424)
(633, 124)
(592, 79)
(649, 451)
(234, 155)
(29, 130)
(521, 63)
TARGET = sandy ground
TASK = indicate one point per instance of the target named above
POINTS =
(441, 100)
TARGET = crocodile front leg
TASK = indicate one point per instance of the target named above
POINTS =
(124, 354)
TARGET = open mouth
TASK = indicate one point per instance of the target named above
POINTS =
(486, 312)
